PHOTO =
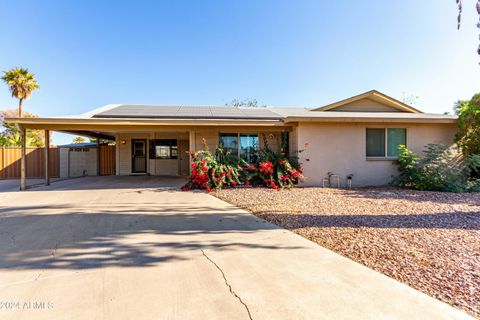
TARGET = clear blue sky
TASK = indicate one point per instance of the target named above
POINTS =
(86, 54)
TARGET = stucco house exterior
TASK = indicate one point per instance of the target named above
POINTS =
(357, 136)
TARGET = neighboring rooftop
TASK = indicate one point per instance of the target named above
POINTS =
(80, 145)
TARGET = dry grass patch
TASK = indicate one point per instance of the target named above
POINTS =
(428, 240)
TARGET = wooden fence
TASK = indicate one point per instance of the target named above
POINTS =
(10, 162)
(107, 160)
(35, 160)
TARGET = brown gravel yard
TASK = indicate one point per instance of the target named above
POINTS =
(428, 240)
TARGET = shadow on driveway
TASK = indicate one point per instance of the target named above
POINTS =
(121, 236)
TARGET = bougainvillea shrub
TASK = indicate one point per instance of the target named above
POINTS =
(213, 171)
(278, 174)
(277, 170)
(221, 170)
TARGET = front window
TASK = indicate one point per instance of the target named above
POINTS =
(229, 143)
(249, 147)
(163, 149)
(240, 144)
(384, 142)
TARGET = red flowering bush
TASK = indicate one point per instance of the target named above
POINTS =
(221, 170)
(266, 167)
(211, 172)
(278, 171)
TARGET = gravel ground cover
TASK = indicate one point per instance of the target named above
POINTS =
(428, 240)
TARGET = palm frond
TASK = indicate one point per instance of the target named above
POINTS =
(20, 82)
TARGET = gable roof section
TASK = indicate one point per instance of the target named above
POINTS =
(373, 95)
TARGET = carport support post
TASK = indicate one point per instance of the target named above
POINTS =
(191, 148)
(98, 156)
(23, 138)
(47, 161)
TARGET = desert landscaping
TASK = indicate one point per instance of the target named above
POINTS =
(427, 240)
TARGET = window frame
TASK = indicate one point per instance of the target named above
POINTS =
(238, 135)
(385, 156)
(249, 156)
(172, 144)
(230, 134)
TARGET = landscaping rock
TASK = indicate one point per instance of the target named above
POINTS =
(428, 240)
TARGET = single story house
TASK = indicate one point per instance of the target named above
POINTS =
(358, 135)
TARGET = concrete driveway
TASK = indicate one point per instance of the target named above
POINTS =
(9, 185)
(137, 248)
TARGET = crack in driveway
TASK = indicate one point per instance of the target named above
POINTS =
(52, 253)
(232, 292)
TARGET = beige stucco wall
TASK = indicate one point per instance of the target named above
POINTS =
(338, 148)
(163, 166)
(341, 149)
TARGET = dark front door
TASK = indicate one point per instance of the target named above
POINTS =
(139, 156)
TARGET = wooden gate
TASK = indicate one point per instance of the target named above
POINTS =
(107, 160)
(35, 159)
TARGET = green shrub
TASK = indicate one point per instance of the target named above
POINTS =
(468, 134)
(439, 169)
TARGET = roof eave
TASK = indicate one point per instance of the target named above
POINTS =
(136, 121)
(370, 120)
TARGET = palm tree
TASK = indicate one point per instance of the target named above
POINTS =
(14, 139)
(79, 140)
(21, 84)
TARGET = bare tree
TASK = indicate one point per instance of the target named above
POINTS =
(249, 102)
(459, 17)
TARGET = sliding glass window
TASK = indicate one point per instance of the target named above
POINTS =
(384, 142)
(243, 145)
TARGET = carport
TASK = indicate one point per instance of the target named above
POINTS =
(157, 140)
(23, 127)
